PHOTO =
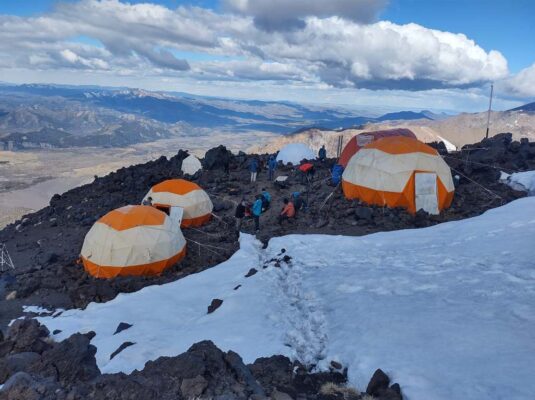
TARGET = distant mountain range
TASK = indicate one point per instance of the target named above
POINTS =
(454, 131)
(71, 116)
(530, 107)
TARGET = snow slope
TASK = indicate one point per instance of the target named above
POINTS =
(446, 311)
(449, 145)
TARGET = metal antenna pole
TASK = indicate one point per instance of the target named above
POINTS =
(488, 115)
(5, 260)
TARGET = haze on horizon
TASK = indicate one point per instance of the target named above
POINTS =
(360, 53)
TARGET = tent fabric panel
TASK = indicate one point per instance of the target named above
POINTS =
(197, 221)
(401, 145)
(350, 148)
(129, 217)
(375, 197)
(141, 245)
(196, 204)
(155, 268)
(176, 186)
(445, 196)
(353, 145)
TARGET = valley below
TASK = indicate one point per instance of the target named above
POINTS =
(29, 178)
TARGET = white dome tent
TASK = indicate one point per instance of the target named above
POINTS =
(190, 165)
(294, 153)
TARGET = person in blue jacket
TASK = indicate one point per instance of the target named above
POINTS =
(253, 168)
(256, 211)
(272, 165)
(266, 200)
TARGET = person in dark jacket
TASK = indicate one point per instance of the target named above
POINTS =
(322, 154)
(253, 168)
(299, 202)
(256, 211)
(272, 166)
(240, 213)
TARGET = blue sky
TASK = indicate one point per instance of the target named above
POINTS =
(275, 52)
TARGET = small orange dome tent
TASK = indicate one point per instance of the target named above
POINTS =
(362, 139)
(132, 240)
(185, 194)
(399, 172)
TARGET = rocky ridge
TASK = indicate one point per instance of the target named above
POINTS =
(34, 367)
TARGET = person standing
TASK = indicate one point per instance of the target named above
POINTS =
(257, 210)
(253, 168)
(240, 213)
(272, 165)
(322, 154)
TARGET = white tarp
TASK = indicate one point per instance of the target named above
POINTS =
(294, 153)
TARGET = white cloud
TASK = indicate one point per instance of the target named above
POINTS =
(332, 48)
(522, 84)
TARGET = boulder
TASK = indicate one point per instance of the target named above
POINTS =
(379, 381)
(69, 362)
(27, 335)
(217, 158)
(214, 305)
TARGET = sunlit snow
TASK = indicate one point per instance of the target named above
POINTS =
(446, 311)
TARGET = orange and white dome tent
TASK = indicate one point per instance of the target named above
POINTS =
(185, 194)
(399, 172)
(132, 240)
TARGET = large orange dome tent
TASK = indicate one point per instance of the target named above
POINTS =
(185, 194)
(362, 139)
(399, 172)
(132, 240)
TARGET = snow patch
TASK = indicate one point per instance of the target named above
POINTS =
(446, 311)
(449, 145)
(520, 181)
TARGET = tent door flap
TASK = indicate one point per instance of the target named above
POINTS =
(425, 187)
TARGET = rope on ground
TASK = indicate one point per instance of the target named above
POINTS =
(478, 163)
(479, 184)
(219, 218)
(207, 247)
(329, 196)
(206, 233)
(224, 198)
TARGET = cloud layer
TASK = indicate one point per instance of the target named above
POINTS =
(299, 41)
(272, 15)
